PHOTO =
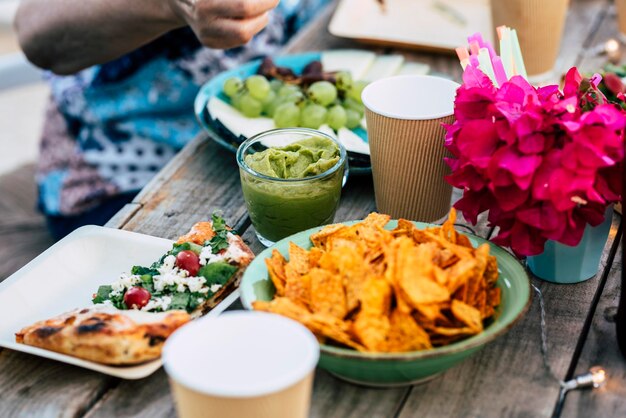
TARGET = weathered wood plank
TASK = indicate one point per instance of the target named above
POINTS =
(32, 386)
(123, 216)
(203, 178)
(23, 229)
(601, 349)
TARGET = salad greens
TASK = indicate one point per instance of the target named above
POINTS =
(214, 273)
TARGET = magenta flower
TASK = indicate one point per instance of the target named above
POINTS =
(543, 162)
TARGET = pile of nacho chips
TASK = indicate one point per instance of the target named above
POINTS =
(375, 290)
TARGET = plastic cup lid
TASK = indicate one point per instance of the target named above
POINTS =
(411, 97)
(240, 354)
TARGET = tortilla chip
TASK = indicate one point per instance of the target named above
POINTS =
(405, 228)
(327, 293)
(314, 257)
(276, 269)
(320, 238)
(332, 328)
(447, 229)
(405, 334)
(371, 331)
(298, 259)
(283, 306)
(376, 297)
(298, 287)
(376, 220)
(460, 273)
(494, 296)
(372, 289)
(468, 315)
(415, 274)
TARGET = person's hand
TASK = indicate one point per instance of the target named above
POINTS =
(224, 24)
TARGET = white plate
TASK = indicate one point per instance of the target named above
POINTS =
(66, 275)
(429, 24)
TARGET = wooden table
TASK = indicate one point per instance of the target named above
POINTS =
(507, 378)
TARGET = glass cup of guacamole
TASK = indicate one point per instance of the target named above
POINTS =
(291, 180)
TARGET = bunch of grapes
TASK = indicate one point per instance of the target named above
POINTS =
(336, 104)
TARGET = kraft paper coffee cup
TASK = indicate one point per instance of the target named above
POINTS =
(242, 364)
(404, 117)
(620, 5)
(539, 25)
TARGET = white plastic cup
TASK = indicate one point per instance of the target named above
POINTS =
(242, 364)
(404, 127)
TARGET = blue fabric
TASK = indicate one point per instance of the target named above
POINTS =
(125, 119)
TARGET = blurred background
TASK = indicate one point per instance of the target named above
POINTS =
(22, 97)
(22, 100)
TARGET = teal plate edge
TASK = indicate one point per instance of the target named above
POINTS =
(513, 277)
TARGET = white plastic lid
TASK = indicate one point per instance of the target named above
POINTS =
(411, 97)
(240, 354)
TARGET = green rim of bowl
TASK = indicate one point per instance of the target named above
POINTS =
(500, 326)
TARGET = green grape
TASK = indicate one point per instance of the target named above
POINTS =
(232, 86)
(288, 89)
(356, 90)
(353, 119)
(258, 86)
(354, 105)
(276, 84)
(322, 92)
(296, 97)
(337, 117)
(270, 108)
(250, 106)
(236, 100)
(269, 101)
(312, 116)
(270, 97)
(343, 80)
(287, 115)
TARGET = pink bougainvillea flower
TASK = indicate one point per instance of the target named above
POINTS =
(543, 163)
(613, 83)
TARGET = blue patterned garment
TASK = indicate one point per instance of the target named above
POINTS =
(111, 127)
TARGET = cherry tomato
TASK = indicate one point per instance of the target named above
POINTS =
(136, 297)
(188, 260)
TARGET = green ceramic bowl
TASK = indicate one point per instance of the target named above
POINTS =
(398, 369)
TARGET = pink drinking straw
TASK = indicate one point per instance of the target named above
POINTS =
(474, 47)
(463, 55)
(498, 70)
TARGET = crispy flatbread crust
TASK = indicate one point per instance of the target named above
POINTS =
(104, 334)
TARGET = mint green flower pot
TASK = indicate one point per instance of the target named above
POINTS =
(563, 264)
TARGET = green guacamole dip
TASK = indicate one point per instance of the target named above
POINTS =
(280, 208)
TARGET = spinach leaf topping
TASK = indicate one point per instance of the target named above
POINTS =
(220, 241)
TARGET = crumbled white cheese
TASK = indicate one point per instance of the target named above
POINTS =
(169, 262)
(216, 287)
(124, 282)
(207, 256)
(195, 284)
(170, 275)
(232, 253)
(158, 303)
